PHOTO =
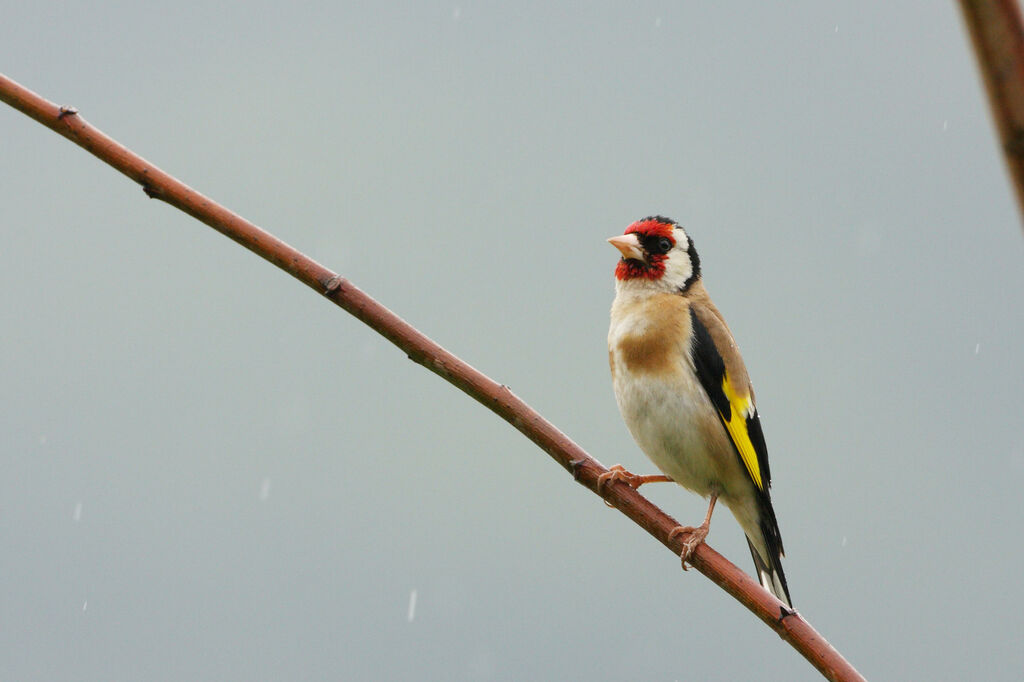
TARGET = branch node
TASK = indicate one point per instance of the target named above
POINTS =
(150, 192)
(332, 285)
(785, 612)
(574, 466)
(66, 111)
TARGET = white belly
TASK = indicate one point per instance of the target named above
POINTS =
(669, 420)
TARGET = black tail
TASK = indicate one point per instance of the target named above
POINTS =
(769, 568)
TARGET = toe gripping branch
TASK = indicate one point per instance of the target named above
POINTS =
(618, 473)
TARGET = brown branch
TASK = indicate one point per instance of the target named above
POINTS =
(998, 38)
(496, 397)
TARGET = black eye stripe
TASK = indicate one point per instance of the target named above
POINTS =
(656, 245)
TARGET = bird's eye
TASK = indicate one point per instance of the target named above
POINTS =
(655, 245)
(659, 246)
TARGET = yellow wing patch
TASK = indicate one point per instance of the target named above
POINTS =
(742, 407)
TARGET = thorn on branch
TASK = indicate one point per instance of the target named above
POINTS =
(66, 111)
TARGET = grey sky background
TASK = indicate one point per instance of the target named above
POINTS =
(212, 474)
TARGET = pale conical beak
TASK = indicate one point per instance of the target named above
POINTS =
(629, 246)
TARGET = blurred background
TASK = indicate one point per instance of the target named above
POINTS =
(210, 473)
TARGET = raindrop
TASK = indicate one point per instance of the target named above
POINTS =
(412, 606)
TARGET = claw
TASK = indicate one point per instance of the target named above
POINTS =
(697, 535)
(615, 473)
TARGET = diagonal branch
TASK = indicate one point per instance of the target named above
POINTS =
(498, 398)
(998, 36)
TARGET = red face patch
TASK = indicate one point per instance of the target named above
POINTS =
(654, 267)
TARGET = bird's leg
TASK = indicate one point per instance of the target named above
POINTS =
(697, 534)
(634, 481)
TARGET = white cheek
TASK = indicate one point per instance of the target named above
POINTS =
(678, 269)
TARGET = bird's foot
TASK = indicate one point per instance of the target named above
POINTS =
(696, 537)
(634, 481)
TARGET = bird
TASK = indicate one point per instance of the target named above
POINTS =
(684, 392)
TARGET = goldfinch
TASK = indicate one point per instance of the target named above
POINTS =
(684, 393)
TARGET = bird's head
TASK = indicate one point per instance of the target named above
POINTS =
(656, 254)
